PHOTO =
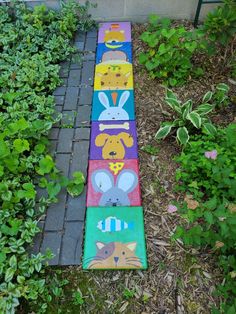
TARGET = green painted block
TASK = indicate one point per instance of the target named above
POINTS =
(114, 238)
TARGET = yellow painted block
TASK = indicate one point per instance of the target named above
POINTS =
(113, 77)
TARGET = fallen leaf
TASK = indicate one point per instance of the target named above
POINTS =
(191, 203)
(219, 244)
(232, 208)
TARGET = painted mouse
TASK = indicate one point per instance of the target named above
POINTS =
(114, 194)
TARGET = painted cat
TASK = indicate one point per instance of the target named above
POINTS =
(115, 255)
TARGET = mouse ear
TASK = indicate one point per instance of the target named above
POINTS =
(102, 181)
(127, 180)
(103, 99)
(123, 98)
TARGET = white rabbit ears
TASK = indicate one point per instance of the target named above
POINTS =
(105, 101)
(102, 181)
(123, 98)
(127, 181)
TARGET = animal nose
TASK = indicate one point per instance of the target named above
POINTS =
(112, 153)
(114, 204)
(116, 259)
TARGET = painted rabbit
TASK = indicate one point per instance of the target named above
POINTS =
(114, 195)
(113, 113)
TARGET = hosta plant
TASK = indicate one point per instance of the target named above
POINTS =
(189, 119)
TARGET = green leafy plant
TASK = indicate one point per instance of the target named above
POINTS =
(207, 174)
(78, 298)
(220, 25)
(128, 294)
(186, 119)
(150, 149)
(32, 43)
(170, 51)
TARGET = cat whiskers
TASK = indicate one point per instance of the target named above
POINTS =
(134, 265)
(135, 258)
(93, 264)
(92, 257)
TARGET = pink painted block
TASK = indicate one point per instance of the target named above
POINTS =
(113, 183)
(114, 33)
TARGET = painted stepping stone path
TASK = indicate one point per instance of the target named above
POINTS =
(114, 234)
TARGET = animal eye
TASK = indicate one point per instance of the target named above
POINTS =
(117, 199)
(117, 142)
(109, 199)
(118, 113)
(111, 142)
(102, 83)
(123, 253)
(106, 252)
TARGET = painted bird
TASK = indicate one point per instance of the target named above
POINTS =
(112, 224)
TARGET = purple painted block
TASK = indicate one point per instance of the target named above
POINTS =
(114, 33)
(113, 140)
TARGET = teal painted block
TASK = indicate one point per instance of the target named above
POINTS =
(114, 238)
(113, 105)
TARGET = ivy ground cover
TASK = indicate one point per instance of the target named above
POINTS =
(32, 43)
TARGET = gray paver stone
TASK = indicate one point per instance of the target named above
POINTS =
(76, 207)
(90, 44)
(55, 213)
(83, 116)
(59, 100)
(52, 147)
(41, 193)
(80, 158)
(79, 45)
(82, 134)
(72, 243)
(71, 98)
(53, 134)
(52, 241)
(68, 118)
(79, 36)
(63, 163)
(65, 140)
(74, 78)
(88, 72)
(89, 56)
(86, 95)
(63, 73)
(60, 91)
(92, 33)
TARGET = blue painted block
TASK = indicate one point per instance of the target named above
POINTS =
(119, 54)
(113, 105)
